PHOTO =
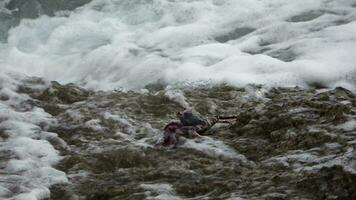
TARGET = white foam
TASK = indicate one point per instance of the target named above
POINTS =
(125, 124)
(348, 126)
(29, 155)
(111, 44)
(164, 191)
(94, 124)
(177, 96)
(214, 148)
(346, 160)
(308, 161)
(38, 193)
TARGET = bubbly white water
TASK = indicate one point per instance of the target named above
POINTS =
(26, 154)
(108, 44)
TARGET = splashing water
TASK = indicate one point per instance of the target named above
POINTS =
(109, 44)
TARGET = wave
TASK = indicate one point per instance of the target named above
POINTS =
(109, 44)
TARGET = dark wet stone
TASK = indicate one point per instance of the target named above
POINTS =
(122, 158)
(343, 93)
(252, 148)
(29, 86)
(59, 192)
(323, 97)
(53, 109)
(286, 120)
(64, 93)
(330, 183)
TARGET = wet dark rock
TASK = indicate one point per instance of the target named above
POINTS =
(110, 139)
(64, 93)
(53, 109)
(343, 93)
(330, 183)
(122, 158)
(60, 193)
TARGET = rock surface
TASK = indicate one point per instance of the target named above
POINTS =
(288, 143)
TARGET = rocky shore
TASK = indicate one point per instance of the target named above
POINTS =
(288, 143)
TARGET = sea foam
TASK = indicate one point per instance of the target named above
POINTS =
(26, 156)
(128, 44)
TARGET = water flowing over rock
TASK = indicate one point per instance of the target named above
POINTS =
(289, 143)
(86, 87)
